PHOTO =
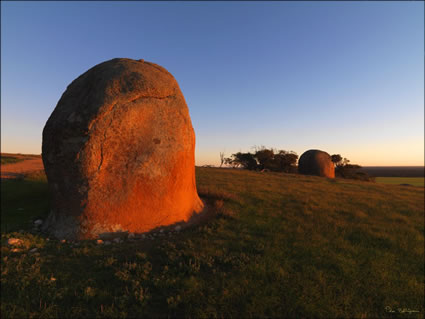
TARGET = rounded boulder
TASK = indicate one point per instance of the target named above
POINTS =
(118, 152)
(316, 162)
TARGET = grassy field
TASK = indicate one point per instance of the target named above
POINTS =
(414, 181)
(23, 200)
(278, 246)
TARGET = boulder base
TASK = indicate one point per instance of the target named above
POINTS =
(118, 151)
(316, 162)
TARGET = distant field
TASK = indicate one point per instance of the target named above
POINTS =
(394, 171)
(414, 181)
(10, 159)
(280, 245)
(20, 155)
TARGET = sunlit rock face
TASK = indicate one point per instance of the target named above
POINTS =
(316, 162)
(118, 151)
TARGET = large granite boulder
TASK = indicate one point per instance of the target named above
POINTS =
(118, 151)
(316, 162)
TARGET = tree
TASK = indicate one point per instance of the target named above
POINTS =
(244, 160)
(336, 159)
(265, 158)
(229, 161)
(221, 158)
(286, 161)
(278, 161)
(344, 169)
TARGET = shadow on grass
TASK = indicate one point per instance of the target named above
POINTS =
(23, 200)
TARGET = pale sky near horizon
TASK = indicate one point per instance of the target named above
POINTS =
(343, 77)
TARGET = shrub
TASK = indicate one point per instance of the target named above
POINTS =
(345, 170)
(265, 159)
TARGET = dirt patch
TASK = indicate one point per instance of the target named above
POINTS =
(30, 163)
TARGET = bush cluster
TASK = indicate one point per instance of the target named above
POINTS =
(265, 159)
(284, 161)
(345, 170)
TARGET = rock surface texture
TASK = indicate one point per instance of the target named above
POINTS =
(315, 162)
(118, 151)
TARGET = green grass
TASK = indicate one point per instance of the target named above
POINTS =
(10, 159)
(414, 181)
(279, 246)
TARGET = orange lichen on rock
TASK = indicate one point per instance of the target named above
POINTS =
(316, 162)
(118, 151)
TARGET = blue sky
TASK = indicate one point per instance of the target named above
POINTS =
(344, 77)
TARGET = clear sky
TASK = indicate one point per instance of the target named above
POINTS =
(343, 77)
